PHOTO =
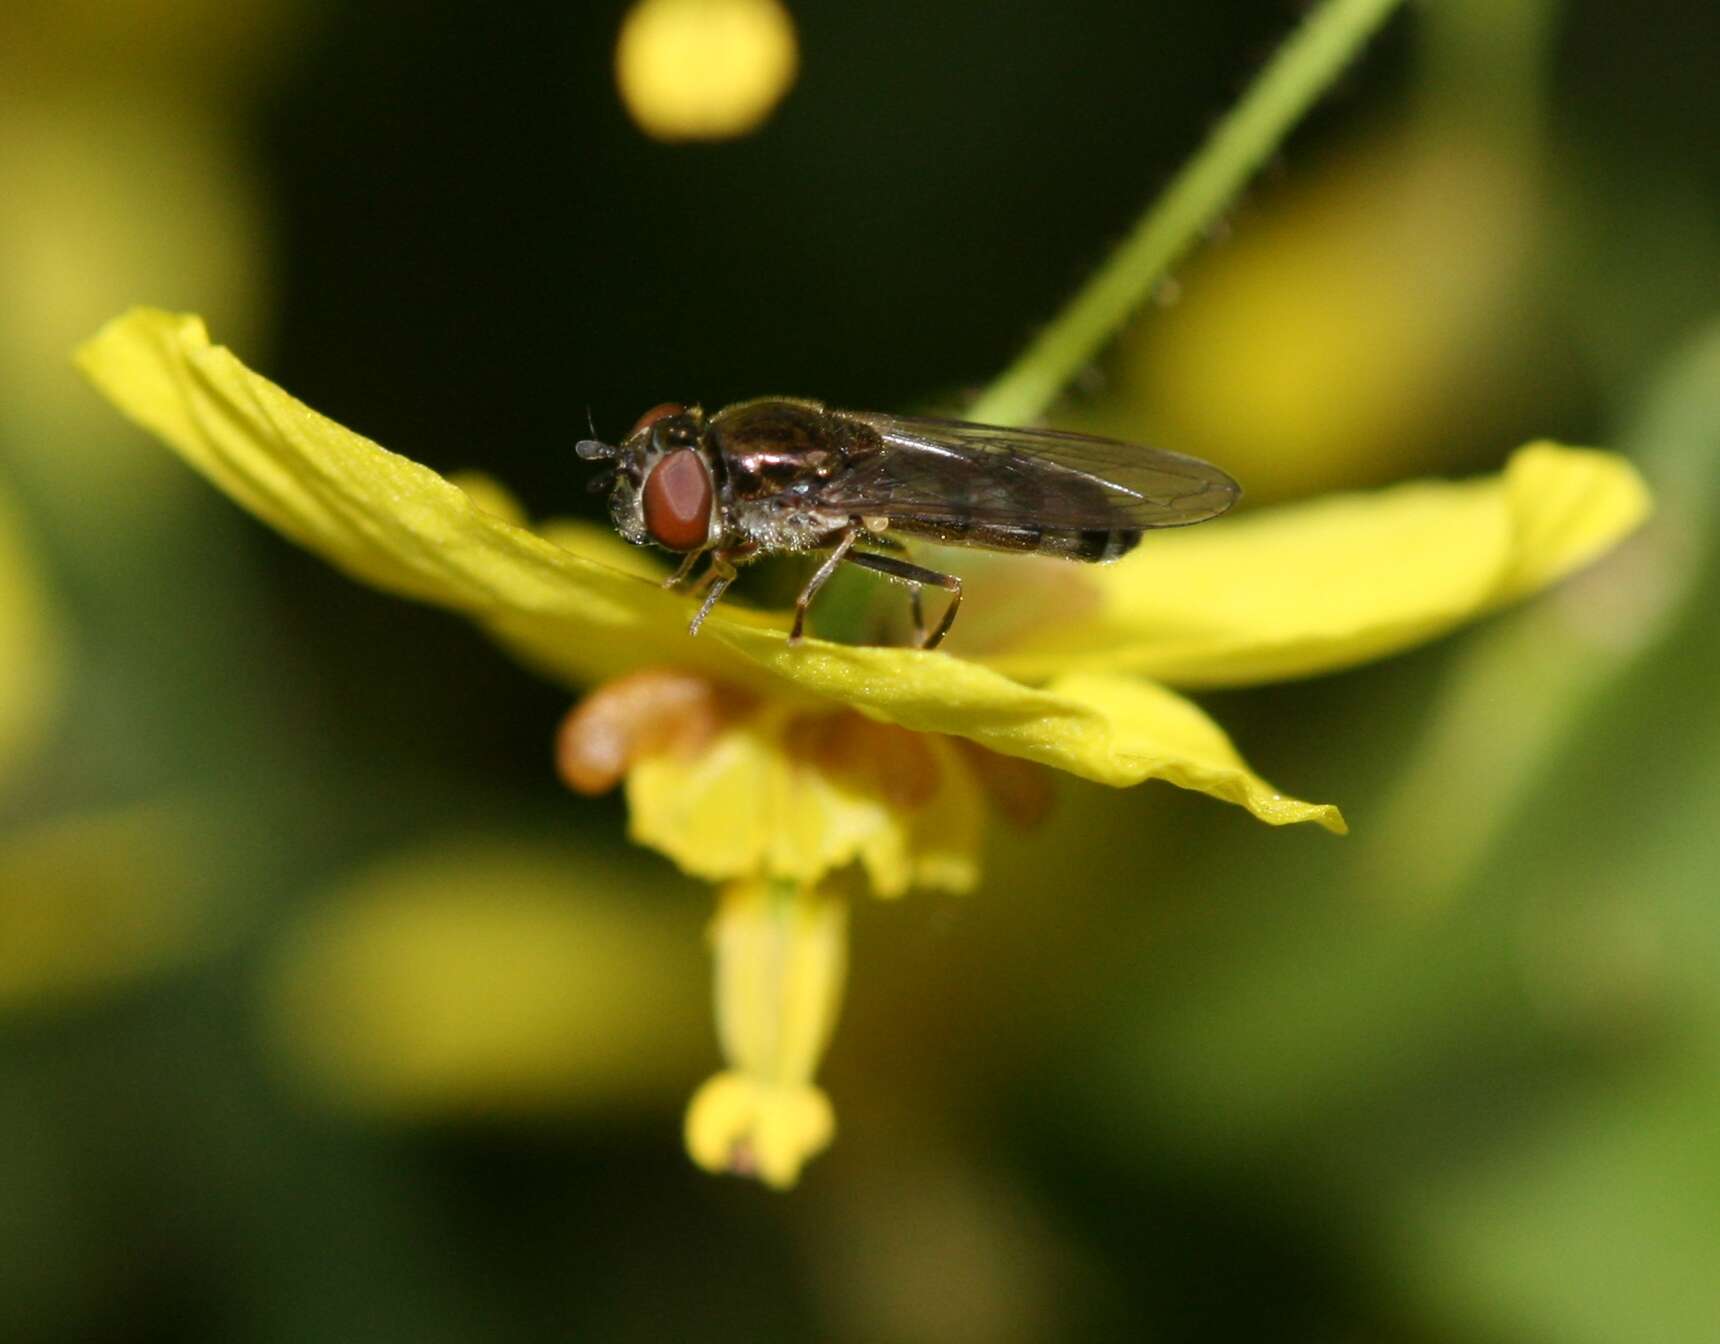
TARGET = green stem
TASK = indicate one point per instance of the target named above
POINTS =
(1298, 73)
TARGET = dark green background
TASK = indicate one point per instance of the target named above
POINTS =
(1241, 1093)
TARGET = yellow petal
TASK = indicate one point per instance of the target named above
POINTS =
(750, 803)
(781, 963)
(736, 1124)
(604, 546)
(379, 517)
(1114, 730)
(1153, 733)
(401, 527)
(1307, 588)
(782, 955)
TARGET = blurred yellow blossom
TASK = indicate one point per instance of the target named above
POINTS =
(1346, 336)
(94, 900)
(494, 976)
(760, 786)
(704, 69)
(105, 195)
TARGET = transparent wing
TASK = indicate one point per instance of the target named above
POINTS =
(938, 471)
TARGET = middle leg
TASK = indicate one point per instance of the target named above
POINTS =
(817, 581)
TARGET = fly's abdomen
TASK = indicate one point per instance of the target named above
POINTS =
(1095, 545)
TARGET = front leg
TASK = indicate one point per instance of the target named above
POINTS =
(679, 577)
(716, 580)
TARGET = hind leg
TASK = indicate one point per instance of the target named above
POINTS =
(919, 576)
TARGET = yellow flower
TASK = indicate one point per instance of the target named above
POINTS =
(486, 976)
(92, 900)
(777, 771)
(704, 69)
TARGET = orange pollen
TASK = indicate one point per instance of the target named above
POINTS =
(644, 713)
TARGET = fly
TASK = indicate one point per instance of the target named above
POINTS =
(783, 476)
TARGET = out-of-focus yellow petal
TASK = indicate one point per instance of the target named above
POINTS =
(488, 977)
(378, 516)
(1307, 588)
(604, 546)
(1347, 333)
(704, 69)
(107, 193)
(29, 648)
(782, 957)
(740, 1126)
(96, 900)
(805, 815)
(490, 495)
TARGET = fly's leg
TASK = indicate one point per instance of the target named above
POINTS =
(917, 574)
(712, 573)
(817, 581)
(679, 577)
(916, 604)
(715, 581)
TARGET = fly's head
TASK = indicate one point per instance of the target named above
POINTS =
(659, 478)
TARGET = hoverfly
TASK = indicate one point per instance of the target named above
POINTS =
(780, 476)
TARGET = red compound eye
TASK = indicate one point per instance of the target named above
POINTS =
(661, 411)
(678, 500)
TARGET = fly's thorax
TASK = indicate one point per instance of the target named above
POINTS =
(777, 445)
(775, 456)
(788, 521)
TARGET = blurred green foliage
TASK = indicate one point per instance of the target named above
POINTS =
(1170, 1075)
